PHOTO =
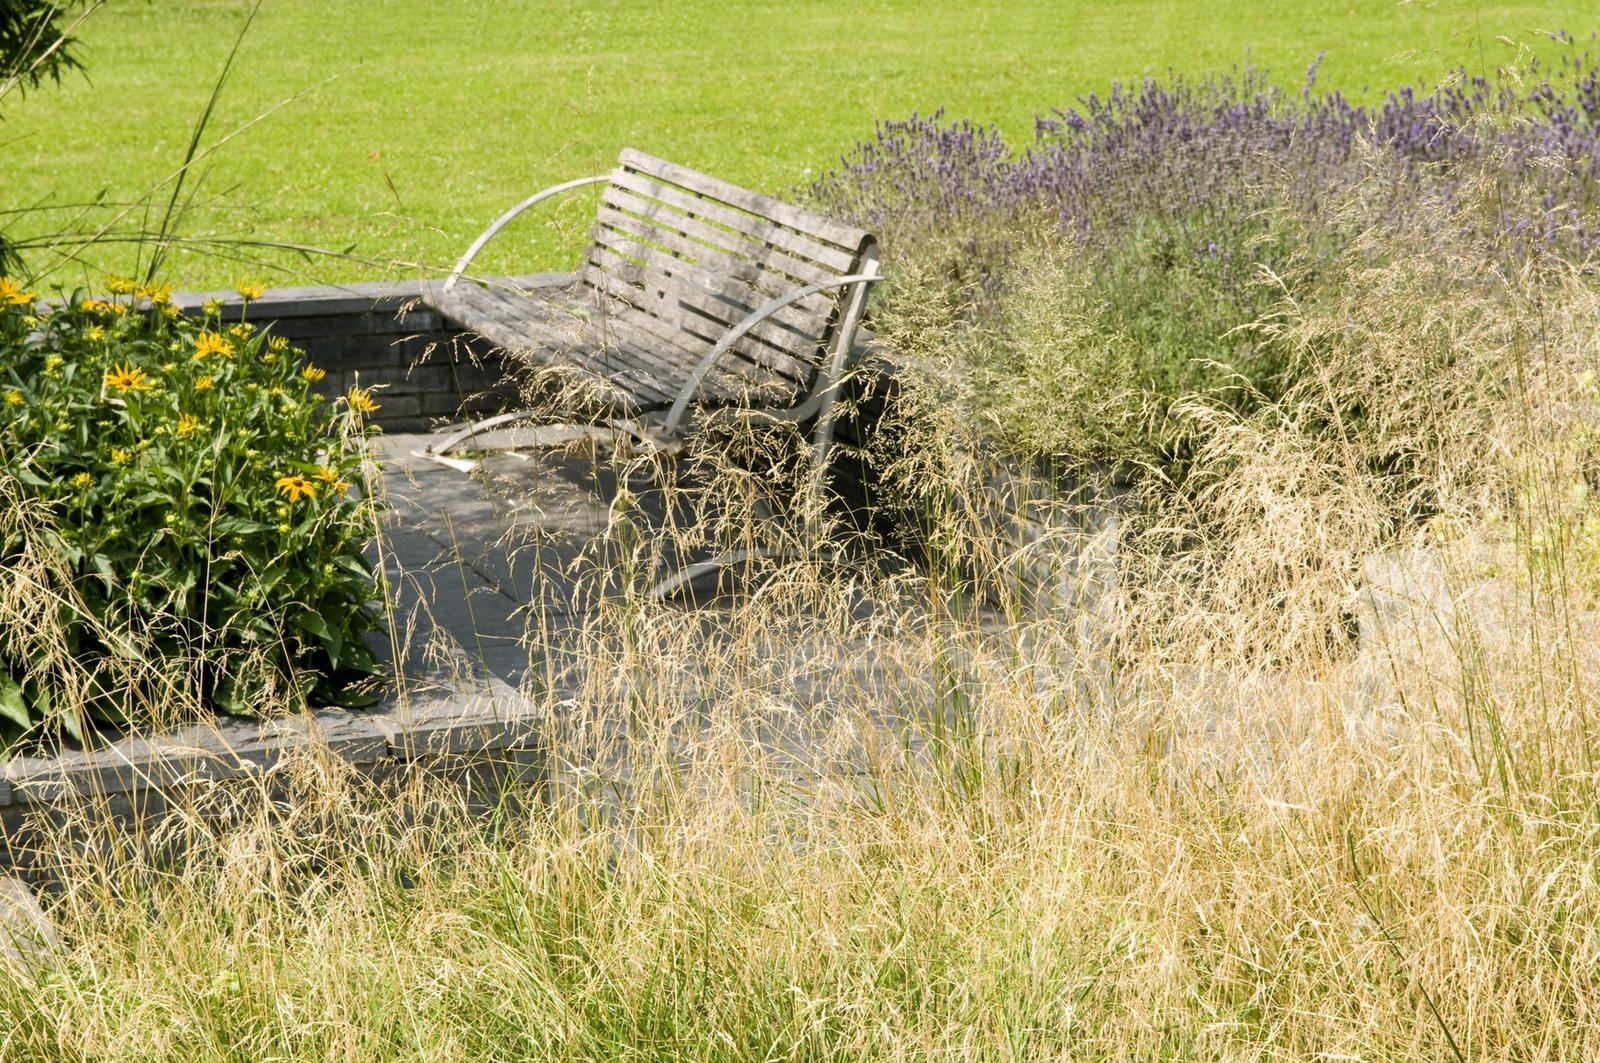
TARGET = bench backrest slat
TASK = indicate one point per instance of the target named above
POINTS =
(679, 254)
(819, 226)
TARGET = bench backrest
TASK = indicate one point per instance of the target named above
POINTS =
(680, 257)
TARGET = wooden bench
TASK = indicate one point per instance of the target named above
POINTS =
(693, 295)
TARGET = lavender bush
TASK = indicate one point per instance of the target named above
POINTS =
(1159, 224)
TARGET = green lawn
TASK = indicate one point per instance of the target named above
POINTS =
(438, 114)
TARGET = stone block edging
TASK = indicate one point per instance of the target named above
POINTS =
(484, 723)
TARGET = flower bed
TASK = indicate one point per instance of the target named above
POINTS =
(182, 529)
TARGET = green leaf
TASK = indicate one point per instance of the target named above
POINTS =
(73, 725)
(332, 641)
(271, 578)
(355, 564)
(102, 564)
(13, 706)
(236, 526)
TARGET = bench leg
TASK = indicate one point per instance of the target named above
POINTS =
(674, 584)
(543, 435)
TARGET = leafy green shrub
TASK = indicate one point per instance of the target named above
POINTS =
(34, 45)
(195, 502)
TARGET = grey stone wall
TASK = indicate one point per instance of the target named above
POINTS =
(380, 335)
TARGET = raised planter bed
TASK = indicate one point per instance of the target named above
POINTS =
(485, 735)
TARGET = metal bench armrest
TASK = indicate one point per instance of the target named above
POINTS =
(680, 405)
(503, 220)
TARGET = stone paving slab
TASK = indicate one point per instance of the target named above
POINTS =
(528, 524)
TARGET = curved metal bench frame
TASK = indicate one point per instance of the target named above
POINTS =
(505, 219)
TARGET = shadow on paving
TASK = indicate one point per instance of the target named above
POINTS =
(495, 571)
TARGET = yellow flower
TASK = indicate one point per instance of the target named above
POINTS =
(312, 373)
(11, 295)
(202, 383)
(82, 480)
(211, 307)
(187, 422)
(169, 367)
(125, 379)
(117, 309)
(296, 487)
(94, 306)
(159, 294)
(119, 285)
(360, 400)
(278, 343)
(94, 333)
(251, 290)
(211, 343)
(331, 478)
(120, 456)
(14, 398)
(242, 330)
(169, 310)
(53, 362)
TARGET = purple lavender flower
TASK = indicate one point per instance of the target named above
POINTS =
(1212, 155)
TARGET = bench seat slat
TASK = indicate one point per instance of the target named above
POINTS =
(756, 365)
(528, 328)
(644, 356)
(792, 333)
(675, 260)
(736, 373)
(690, 320)
(726, 302)
(698, 311)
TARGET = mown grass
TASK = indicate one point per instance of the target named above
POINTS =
(440, 115)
